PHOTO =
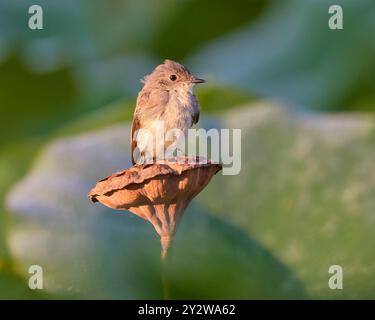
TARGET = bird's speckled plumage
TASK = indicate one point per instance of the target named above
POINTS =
(166, 98)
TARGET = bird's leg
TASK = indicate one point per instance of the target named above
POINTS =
(180, 155)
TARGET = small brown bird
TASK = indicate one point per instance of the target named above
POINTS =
(165, 102)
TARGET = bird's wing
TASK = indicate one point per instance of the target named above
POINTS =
(196, 117)
(135, 127)
(150, 105)
(196, 110)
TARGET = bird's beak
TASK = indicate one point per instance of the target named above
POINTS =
(197, 80)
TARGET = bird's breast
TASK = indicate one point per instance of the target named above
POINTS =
(178, 112)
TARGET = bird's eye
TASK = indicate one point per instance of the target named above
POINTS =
(173, 77)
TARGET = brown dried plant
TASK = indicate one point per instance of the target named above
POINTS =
(157, 192)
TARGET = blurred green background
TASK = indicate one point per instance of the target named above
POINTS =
(303, 95)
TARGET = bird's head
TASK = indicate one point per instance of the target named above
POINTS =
(171, 75)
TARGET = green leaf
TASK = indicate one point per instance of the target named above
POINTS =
(290, 53)
(305, 192)
(92, 252)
